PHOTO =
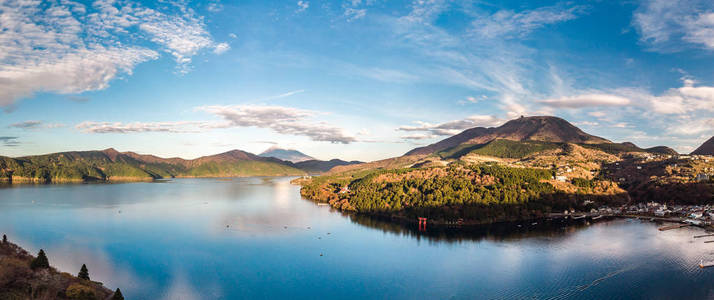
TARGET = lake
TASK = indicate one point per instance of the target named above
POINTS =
(256, 238)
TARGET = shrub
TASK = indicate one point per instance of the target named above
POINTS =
(80, 292)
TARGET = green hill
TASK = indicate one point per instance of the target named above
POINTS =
(499, 148)
(111, 165)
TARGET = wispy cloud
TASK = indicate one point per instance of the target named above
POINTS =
(662, 24)
(430, 130)
(9, 141)
(137, 127)
(352, 14)
(34, 124)
(283, 120)
(510, 24)
(302, 6)
(586, 100)
(68, 48)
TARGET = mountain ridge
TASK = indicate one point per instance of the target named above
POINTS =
(535, 129)
(112, 165)
(707, 148)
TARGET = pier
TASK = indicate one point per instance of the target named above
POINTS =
(704, 235)
(670, 227)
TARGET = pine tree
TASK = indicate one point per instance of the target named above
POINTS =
(117, 295)
(40, 262)
(4, 239)
(83, 273)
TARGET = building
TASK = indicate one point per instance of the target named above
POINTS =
(701, 177)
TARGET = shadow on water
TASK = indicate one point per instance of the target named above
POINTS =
(499, 232)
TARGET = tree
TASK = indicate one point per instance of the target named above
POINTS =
(4, 239)
(41, 262)
(117, 295)
(83, 273)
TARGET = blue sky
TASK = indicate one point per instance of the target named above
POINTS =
(354, 79)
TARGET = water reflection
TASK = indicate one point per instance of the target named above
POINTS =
(256, 238)
(500, 232)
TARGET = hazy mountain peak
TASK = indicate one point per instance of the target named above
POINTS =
(290, 155)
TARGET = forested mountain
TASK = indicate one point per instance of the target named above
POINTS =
(111, 165)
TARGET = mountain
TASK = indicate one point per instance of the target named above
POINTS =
(290, 155)
(534, 129)
(322, 166)
(112, 165)
(662, 150)
(705, 149)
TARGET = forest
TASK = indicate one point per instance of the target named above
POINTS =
(480, 193)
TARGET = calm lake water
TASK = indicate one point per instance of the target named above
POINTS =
(170, 240)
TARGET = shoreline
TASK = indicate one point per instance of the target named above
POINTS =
(5, 181)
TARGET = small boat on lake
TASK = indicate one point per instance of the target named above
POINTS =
(705, 264)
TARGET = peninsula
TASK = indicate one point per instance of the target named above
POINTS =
(527, 168)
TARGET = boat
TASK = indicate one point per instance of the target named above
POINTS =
(705, 264)
(597, 217)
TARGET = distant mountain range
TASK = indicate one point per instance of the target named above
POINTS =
(527, 134)
(112, 165)
(290, 155)
(706, 149)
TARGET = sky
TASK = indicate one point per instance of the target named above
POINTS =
(356, 80)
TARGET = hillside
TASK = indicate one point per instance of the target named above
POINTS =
(321, 166)
(537, 129)
(705, 149)
(18, 280)
(290, 155)
(111, 165)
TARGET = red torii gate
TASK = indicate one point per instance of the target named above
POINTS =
(422, 224)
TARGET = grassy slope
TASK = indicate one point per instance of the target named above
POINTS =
(499, 148)
(242, 168)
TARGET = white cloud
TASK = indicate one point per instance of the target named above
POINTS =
(418, 136)
(215, 6)
(586, 123)
(283, 120)
(660, 21)
(694, 127)
(68, 48)
(221, 48)
(507, 23)
(354, 14)
(302, 6)
(451, 127)
(586, 100)
(136, 127)
(598, 114)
